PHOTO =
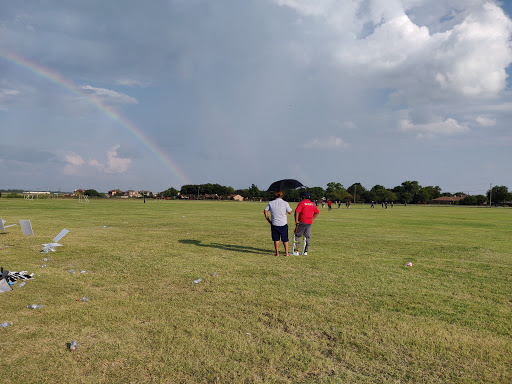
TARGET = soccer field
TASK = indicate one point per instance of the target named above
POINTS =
(348, 312)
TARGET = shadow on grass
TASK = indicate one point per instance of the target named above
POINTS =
(226, 247)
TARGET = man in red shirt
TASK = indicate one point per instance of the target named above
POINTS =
(305, 213)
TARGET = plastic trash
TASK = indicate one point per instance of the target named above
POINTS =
(197, 281)
(21, 284)
(83, 271)
(44, 265)
(72, 271)
(83, 299)
(35, 306)
(408, 264)
(5, 325)
(73, 346)
(46, 259)
(214, 274)
(10, 283)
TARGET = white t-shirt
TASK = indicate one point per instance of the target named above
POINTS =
(278, 209)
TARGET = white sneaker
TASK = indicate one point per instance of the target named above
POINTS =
(305, 253)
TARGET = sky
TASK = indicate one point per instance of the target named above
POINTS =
(148, 95)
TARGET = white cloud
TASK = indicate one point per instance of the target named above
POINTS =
(468, 59)
(74, 162)
(485, 121)
(6, 95)
(350, 125)
(447, 127)
(330, 142)
(108, 95)
(114, 164)
(131, 83)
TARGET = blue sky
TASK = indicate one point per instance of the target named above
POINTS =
(152, 95)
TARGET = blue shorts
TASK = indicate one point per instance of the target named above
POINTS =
(280, 233)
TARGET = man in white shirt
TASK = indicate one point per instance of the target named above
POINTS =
(279, 224)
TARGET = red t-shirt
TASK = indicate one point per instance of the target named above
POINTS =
(306, 211)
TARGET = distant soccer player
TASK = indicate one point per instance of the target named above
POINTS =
(305, 213)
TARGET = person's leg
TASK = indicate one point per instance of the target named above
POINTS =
(285, 248)
(276, 246)
(276, 235)
(301, 231)
(307, 237)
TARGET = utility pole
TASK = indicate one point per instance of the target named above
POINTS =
(490, 197)
(355, 192)
(198, 192)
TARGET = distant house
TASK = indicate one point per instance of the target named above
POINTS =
(146, 193)
(132, 193)
(236, 197)
(115, 192)
(448, 199)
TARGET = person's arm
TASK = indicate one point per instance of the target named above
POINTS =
(296, 217)
(315, 215)
(265, 212)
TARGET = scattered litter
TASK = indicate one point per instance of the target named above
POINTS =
(83, 271)
(214, 274)
(105, 226)
(83, 299)
(13, 276)
(73, 346)
(5, 325)
(46, 259)
(26, 227)
(2, 226)
(50, 247)
(44, 265)
(72, 271)
(35, 306)
(197, 281)
(21, 284)
(408, 264)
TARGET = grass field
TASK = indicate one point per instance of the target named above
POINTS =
(349, 312)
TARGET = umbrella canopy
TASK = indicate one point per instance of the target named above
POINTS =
(284, 185)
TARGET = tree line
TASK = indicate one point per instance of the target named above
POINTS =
(409, 192)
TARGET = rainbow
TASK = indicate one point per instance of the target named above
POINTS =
(111, 113)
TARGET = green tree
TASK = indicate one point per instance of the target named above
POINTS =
(357, 191)
(92, 193)
(254, 191)
(473, 200)
(381, 194)
(336, 191)
(170, 192)
(316, 193)
(407, 192)
(499, 194)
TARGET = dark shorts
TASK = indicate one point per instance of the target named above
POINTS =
(280, 233)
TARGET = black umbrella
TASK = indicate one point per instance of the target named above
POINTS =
(283, 185)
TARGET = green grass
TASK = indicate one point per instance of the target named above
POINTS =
(349, 312)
